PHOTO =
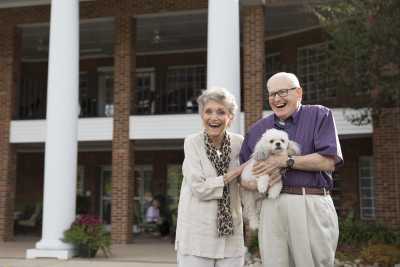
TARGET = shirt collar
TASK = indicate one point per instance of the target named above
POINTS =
(292, 119)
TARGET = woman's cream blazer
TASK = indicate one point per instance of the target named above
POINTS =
(196, 232)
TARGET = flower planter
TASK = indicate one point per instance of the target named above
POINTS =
(88, 235)
(86, 252)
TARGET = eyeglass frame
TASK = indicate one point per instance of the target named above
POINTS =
(281, 92)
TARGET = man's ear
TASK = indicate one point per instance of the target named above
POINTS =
(299, 92)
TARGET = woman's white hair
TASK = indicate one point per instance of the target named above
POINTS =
(220, 95)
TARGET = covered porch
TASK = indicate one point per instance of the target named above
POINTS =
(141, 253)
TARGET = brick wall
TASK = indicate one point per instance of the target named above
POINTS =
(386, 138)
(122, 175)
(253, 63)
(9, 55)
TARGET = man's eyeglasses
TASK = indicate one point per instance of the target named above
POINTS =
(281, 93)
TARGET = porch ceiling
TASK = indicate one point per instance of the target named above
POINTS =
(161, 32)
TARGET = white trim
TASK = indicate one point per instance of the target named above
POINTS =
(151, 127)
(25, 3)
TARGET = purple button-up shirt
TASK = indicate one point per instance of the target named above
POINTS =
(313, 128)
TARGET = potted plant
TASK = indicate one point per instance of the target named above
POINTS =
(88, 235)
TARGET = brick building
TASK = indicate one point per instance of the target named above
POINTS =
(141, 65)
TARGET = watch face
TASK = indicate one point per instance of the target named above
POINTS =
(290, 162)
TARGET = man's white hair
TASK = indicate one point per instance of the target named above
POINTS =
(282, 80)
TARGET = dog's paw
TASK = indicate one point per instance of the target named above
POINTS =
(262, 185)
(275, 191)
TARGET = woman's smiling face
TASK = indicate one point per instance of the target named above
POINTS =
(216, 119)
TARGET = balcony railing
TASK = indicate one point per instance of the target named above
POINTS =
(174, 92)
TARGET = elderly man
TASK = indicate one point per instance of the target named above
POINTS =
(300, 227)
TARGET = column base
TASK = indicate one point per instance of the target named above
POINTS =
(61, 254)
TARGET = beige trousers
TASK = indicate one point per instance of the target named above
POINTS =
(298, 231)
(194, 261)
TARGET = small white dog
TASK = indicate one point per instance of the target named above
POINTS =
(272, 142)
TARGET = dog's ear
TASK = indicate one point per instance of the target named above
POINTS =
(293, 148)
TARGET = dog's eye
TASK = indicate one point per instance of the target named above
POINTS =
(271, 141)
(283, 141)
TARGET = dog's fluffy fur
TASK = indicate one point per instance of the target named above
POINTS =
(272, 142)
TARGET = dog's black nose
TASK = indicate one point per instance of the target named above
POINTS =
(278, 144)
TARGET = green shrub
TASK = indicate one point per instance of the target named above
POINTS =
(356, 232)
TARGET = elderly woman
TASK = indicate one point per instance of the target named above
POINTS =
(210, 227)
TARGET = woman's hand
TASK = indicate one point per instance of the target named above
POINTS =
(233, 174)
(249, 185)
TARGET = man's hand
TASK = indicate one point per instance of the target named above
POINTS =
(271, 165)
(275, 177)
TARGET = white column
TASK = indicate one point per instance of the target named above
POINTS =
(223, 52)
(61, 134)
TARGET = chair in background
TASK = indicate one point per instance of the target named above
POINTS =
(33, 222)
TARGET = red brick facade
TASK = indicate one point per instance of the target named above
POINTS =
(253, 63)
(9, 62)
(386, 138)
(122, 156)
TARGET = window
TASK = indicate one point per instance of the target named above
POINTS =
(366, 185)
(105, 98)
(272, 65)
(312, 70)
(145, 91)
(184, 84)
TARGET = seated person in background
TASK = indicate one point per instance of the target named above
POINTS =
(153, 216)
(153, 212)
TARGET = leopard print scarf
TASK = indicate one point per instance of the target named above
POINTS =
(221, 164)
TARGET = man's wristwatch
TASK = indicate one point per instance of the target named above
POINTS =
(290, 162)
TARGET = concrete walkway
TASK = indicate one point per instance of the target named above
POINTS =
(142, 253)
